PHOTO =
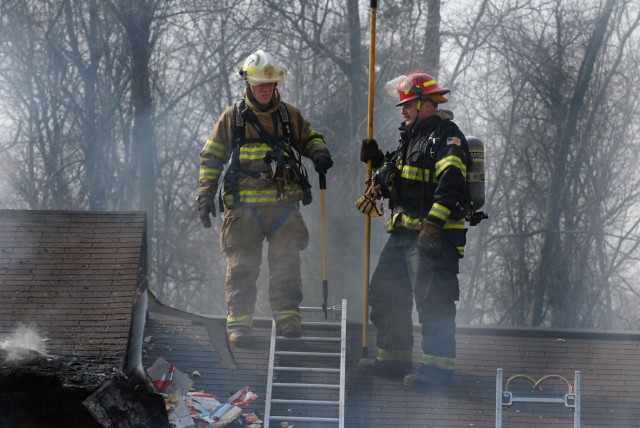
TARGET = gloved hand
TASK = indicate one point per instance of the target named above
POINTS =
(369, 151)
(429, 240)
(321, 161)
(206, 206)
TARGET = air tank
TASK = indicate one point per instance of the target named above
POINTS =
(475, 174)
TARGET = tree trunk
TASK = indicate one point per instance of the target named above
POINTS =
(136, 17)
(544, 273)
(432, 38)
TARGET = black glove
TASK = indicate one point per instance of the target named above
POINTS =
(206, 206)
(321, 161)
(429, 240)
(369, 151)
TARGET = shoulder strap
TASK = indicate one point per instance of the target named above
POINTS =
(242, 113)
(239, 136)
(286, 123)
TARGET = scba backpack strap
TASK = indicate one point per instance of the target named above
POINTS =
(231, 176)
(243, 115)
(464, 207)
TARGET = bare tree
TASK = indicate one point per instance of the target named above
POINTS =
(557, 163)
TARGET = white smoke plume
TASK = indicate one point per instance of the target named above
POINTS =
(22, 343)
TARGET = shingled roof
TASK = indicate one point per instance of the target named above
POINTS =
(72, 278)
(75, 277)
(607, 362)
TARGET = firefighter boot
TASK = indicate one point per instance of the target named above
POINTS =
(289, 328)
(386, 368)
(239, 337)
(428, 377)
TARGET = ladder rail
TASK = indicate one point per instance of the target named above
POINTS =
(343, 362)
(268, 397)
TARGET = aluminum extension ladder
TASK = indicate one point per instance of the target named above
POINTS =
(571, 399)
(306, 379)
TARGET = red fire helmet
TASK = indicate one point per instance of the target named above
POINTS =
(416, 85)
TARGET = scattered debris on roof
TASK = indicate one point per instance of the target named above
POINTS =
(197, 409)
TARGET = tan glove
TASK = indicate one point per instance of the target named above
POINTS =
(369, 203)
(429, 240)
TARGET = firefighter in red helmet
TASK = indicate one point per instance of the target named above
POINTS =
(428, 198)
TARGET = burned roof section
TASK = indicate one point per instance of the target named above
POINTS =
(68, 284)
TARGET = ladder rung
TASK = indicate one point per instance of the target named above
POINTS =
(321, 324)
(308, 354)
(538, 399)
(307, 385)
(306, 369)
(302, 419)
(319, 402)
(309, 339)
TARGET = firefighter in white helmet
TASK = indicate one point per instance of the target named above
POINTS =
(263, 138)
(424, 179)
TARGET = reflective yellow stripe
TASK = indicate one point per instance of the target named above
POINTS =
(289, 314)
(209, 174)
(425, 84)
(253, 196)
(448, 161)
(215, 149)
(313, 138)
(392, 355)
(454, 224)
(443, 363)
(460, 250)
(257, 152)
(415, 173)
(429, 83)
(239, 321)
(403, 220)
(439, 211)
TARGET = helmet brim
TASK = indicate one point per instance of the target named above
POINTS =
(437, 98)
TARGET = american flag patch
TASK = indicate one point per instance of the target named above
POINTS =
(453, 140)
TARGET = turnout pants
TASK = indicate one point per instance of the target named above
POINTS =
(403, 276)
(244, 230)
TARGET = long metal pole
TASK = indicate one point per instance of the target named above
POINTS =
(367, 218)
(325, 284)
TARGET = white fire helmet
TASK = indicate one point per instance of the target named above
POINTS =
(261, 67)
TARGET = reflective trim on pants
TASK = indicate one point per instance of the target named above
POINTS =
(442, 363)
(386, 355)
(239, 322)
(287, 315)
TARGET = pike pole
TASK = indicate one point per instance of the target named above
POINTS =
(367, 218)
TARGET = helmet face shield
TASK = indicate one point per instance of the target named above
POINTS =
(392, 85)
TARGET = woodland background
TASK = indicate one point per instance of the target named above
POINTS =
(105, 105)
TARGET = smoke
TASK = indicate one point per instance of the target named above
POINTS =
(22, 343)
